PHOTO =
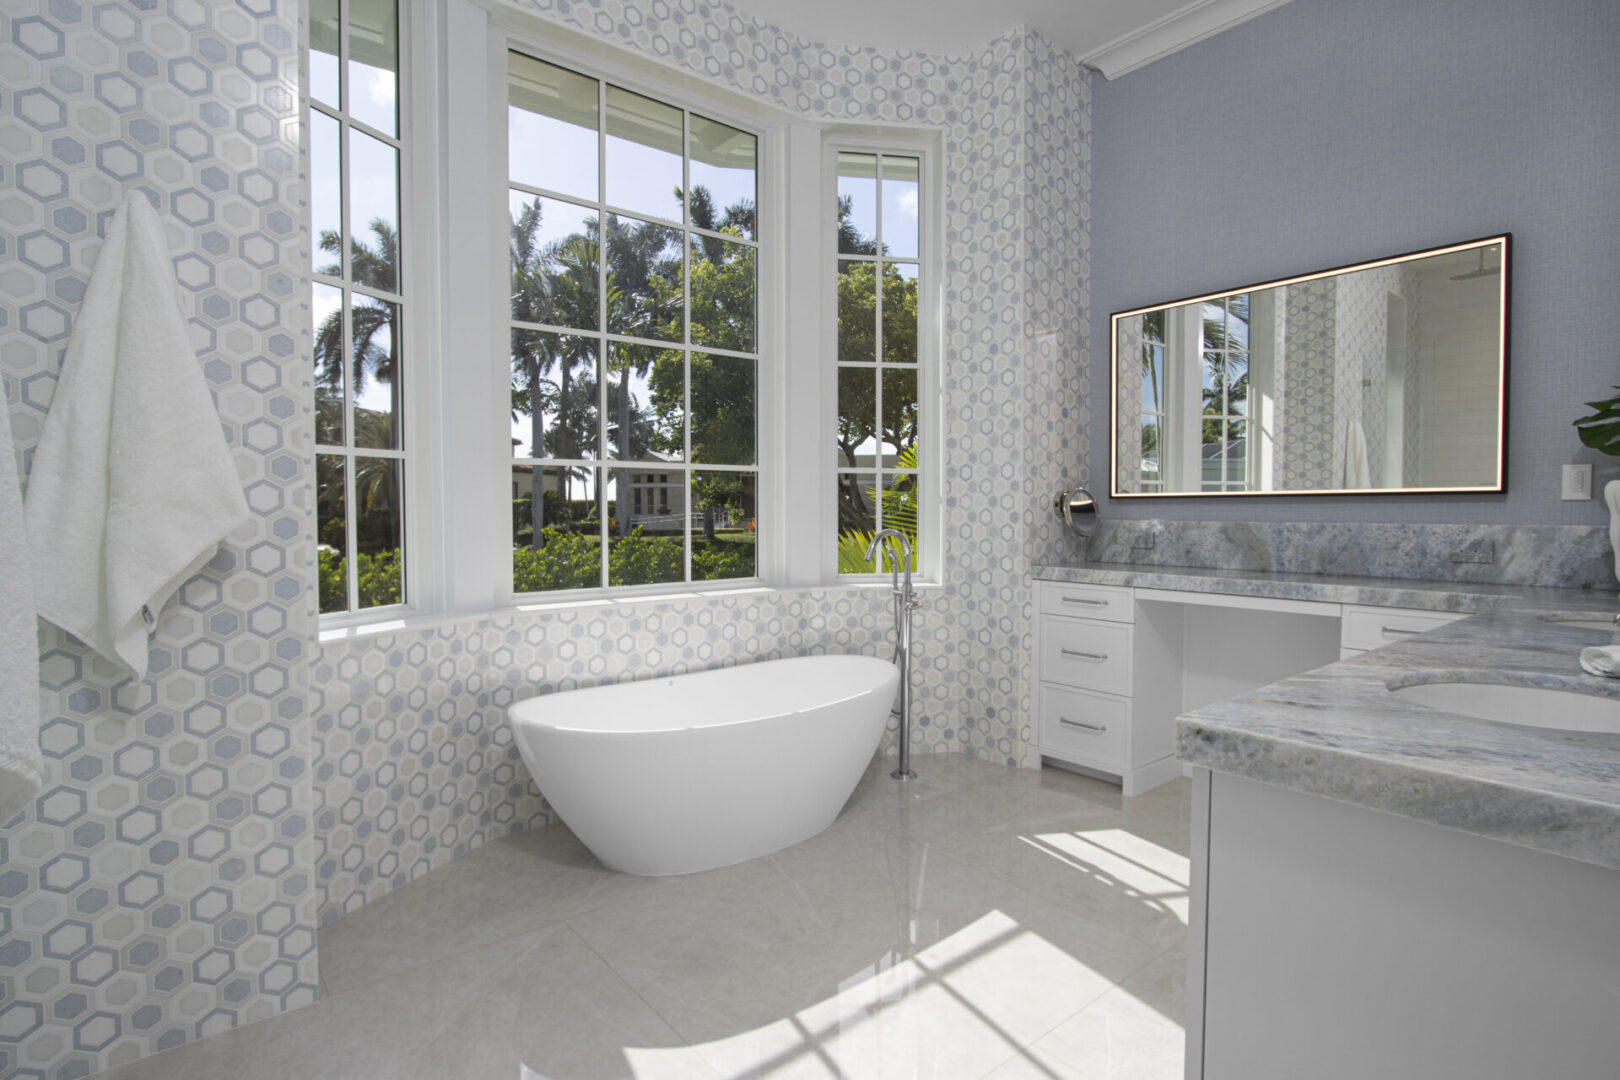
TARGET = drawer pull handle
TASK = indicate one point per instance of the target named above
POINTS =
(1398, 630)
(1094, 657)
(1098, 728)
(1083, 600)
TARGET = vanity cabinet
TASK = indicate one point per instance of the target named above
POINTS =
(1114, 666)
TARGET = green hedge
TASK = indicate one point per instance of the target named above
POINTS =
(569, 561)
(379, 580)
(564, 561)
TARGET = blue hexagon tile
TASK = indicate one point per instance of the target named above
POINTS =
(161, 888)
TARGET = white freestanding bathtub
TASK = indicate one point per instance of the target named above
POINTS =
(691, 772)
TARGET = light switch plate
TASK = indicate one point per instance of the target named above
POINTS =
(1577, 483)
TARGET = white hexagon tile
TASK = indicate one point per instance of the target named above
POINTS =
(161, 888)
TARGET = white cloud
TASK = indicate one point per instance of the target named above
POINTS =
(381, 90)
(908, 203)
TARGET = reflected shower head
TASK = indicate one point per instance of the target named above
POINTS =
(1483, 271)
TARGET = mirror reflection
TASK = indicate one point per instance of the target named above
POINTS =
(1385, 376)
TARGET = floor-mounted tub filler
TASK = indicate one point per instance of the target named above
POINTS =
(691, 772)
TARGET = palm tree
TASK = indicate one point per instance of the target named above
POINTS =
(374, 337)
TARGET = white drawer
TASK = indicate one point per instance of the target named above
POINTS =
(1091, 655)
(1371, 627)
(1105, 602)
(1346, 654)
(1085, 726)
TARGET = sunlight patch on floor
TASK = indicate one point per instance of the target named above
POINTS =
(1144, 870)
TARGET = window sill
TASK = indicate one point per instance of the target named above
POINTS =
(396, 625)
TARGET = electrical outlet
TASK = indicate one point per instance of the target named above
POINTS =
(1577, 483)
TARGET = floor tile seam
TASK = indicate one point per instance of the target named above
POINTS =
(624, 979)
(479, 942)
(1073, 1069)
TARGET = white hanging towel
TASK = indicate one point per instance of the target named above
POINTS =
(133, 485)
(20, 763)
(1357, 473)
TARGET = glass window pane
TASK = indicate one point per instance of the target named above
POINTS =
(900, 206)
(330, 532)
(562, 549)
(645, 422)
(325, 194)
(644, 148)
(642, 549)
(722, 173)
(857, 415)
(857, 204)
(644, 279)
(856, 521)
(379, 498)
(899, 313)
(374, 211)
(553, 258)
(722, 294)
(723, 389)
(898, 509)
(724, 526)
(857, 312)
(551, 127)
(323, 53)
(1153, 326)
(900, 418)
(554, 398)
(1152, 372)
(327, 304)
(377, 377)
(374, 63)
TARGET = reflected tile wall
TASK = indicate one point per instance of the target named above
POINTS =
(161, 888)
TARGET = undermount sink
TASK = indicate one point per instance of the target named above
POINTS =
(1583, 620)
(1527, 706)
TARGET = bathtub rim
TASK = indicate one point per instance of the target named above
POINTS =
(515, 711)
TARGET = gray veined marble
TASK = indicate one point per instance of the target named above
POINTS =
(1564, 557)
(1338, 588)
(1339, 732)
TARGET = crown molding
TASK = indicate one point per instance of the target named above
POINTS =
(1170, 33)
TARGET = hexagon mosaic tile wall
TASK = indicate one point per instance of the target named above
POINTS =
(1017, 149)
(161, 887)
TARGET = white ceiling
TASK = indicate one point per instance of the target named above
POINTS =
(1114, 36)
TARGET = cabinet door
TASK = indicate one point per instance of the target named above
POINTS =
(1107, 602)
(1084, 727)
(1371, 627)
(1086, 654)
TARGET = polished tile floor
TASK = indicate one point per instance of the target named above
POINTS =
(981, 922)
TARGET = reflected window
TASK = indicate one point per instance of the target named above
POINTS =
(358, 303)
(879, 285)
(634, 336)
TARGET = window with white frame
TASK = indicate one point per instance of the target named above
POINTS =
(355, 147)
(879, 285)
(634, 340)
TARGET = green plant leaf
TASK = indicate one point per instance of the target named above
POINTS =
(1601, 430)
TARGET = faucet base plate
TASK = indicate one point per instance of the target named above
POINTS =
(902, 774)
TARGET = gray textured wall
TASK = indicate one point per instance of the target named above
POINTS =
(1325, 132)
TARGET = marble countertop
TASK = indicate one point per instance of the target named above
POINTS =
(1341, 733)
(1327, 588)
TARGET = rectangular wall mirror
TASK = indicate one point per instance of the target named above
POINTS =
(1383, 377)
